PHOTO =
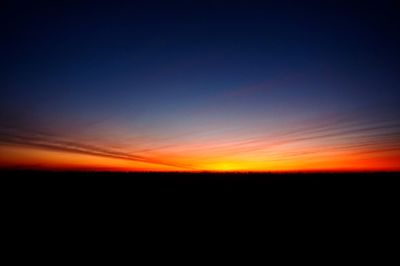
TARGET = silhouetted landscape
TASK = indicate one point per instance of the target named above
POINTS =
(83, 202)
(208, 118)
(203, 186)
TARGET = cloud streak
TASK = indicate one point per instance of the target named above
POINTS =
(347, 137)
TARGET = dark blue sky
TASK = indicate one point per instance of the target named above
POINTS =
(172, 66)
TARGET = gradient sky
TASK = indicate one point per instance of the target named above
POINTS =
(200, 85)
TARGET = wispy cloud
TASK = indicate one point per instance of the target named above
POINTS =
(324, 138)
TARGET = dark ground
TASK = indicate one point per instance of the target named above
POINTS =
(198, 188)
(161, 197)
(343, 210)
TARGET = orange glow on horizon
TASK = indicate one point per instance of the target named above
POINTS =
(22, 157)
(244, 87)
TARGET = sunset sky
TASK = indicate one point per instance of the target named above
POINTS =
(200, 85)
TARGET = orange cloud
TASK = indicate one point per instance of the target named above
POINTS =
(336, 143)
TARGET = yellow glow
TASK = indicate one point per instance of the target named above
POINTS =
(333, 160)
(226, 166)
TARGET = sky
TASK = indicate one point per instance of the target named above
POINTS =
(200, 85)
